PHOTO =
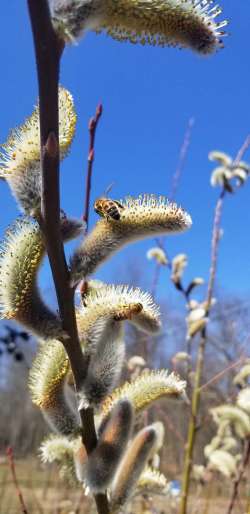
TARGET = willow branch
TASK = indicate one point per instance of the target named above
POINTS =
(93, 123)
(48, 50)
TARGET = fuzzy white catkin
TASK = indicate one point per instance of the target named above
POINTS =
(47, 383)
(105, 366)
(142, 217)
(20, 155)
(147, 388)
(160, 22)
(22, 252)
(119, 302)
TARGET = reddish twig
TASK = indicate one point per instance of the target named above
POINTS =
(9, 453)
(93, 123)
(242, 468)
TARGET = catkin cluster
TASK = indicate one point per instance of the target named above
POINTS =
(224, 453)
(120, 461)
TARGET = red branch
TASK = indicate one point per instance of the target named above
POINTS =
(93, 123)
(9, 453)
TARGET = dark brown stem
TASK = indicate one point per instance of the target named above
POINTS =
(93, 123)
(242, 468)
(9, 453)
(48, 50)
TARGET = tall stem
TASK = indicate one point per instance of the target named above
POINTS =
(195, 404)
(48, 50)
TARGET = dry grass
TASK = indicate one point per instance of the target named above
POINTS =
(44, 492)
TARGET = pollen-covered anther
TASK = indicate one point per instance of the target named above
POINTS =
(20, 155)
(183, 23)
(140, 218)
(147, 388)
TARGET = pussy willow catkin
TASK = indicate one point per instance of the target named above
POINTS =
(20, 155)
(184, 23)
(131, 467)
(147, 388)
(141, 217)
(47, 384)
(22, 252)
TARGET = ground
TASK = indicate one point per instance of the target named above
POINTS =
(45, 493)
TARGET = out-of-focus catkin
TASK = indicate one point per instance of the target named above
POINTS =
(131, 467)
(105, 459)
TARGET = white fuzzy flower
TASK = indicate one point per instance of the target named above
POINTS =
(181, 23)
(20, 156)
(157, 254)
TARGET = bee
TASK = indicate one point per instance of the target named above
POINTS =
(108, 208)
(128, 311)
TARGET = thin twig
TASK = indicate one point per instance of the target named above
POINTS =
(242, 150)
(9, 453)
(200, 359)
(174, 186)
(155, 281)
(93, 123)
(48, 49)
(241, 470)
(221, 374)
(195, 405)
(182, 159)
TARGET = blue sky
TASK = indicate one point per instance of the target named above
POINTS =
(148, 96)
